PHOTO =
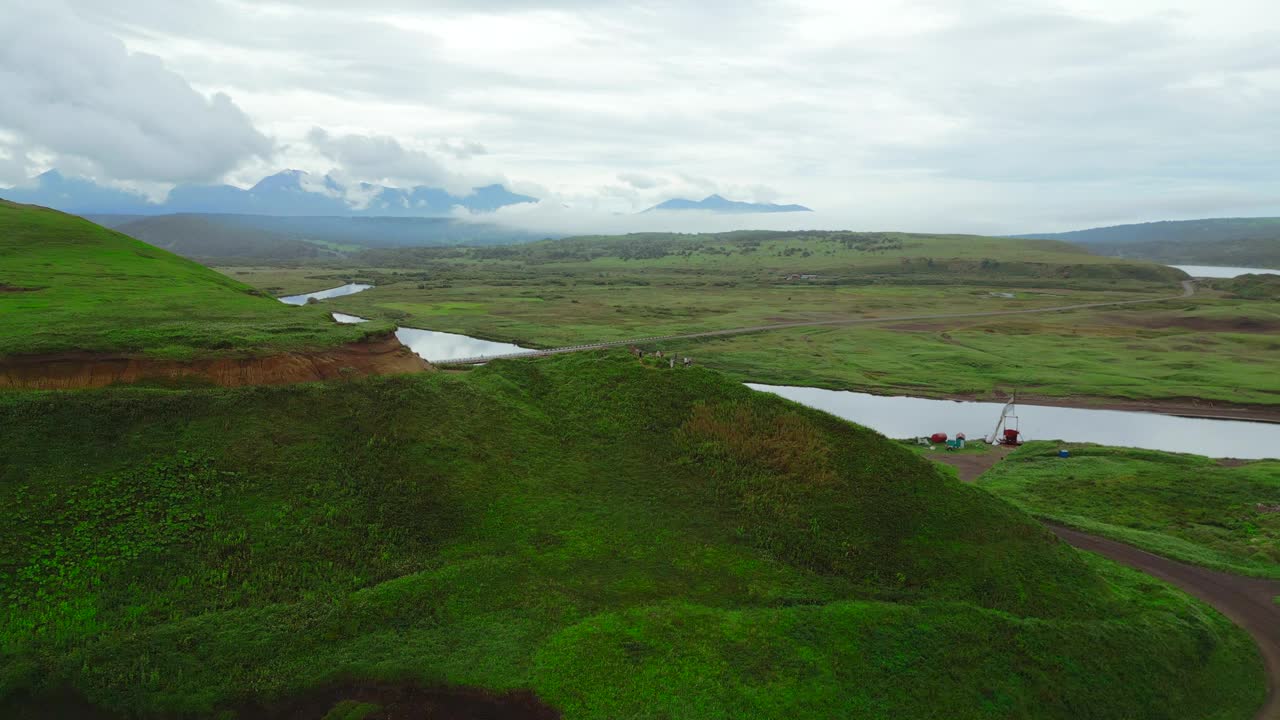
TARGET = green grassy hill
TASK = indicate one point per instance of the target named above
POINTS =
(69, 285)
(1250, 287)
(1187, 507)
(621, 540)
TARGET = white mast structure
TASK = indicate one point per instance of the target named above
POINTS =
(1010, 412)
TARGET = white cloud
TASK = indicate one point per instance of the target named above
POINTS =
(13, 162)
(72, 90)
(916, 114)
(641, 181)
(382, 158)
(461, 149)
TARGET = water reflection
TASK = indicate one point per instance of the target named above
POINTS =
(348, 289)
(438, 346)
(1216, 271)
(902, 417)
(434, 346)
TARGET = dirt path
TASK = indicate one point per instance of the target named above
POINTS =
(970, 465)
(1248, 602)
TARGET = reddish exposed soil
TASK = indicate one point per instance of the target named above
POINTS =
(87, 370)
(970, 465)
(394, 701)
(923, 326)
(1182, 407)
(398, 701)
(1201, 324)
(63, 704)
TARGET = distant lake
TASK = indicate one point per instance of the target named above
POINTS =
(349, 289)
(1218, 271)
(907, 417)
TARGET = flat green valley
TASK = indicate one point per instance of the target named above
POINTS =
(1217, 348)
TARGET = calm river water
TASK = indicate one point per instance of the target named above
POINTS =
(903, 417)
(436, 346)
(350, 289)
(430, 345)
(1216, 271)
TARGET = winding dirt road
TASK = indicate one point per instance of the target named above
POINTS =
(1247, 601)
(1188, 289)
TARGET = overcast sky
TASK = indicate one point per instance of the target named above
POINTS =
(967, 116)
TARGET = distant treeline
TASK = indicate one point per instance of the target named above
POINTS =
(643, 246)
(1247, 242)
(275, 238)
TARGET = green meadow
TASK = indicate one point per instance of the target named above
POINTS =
(1218, 345)
(1223, 515)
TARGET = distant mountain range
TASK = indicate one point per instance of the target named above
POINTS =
(1244, 242)
(718, 204)
(222, 236)
(287, 193)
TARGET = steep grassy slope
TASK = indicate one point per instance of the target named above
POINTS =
(622, 540)
(1187, 507)
(69, 285)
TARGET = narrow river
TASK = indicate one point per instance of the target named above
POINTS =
(1220, 271)
(903, 417)
(430, 345)
(349, 289)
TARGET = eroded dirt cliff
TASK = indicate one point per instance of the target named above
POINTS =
(87, 370)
